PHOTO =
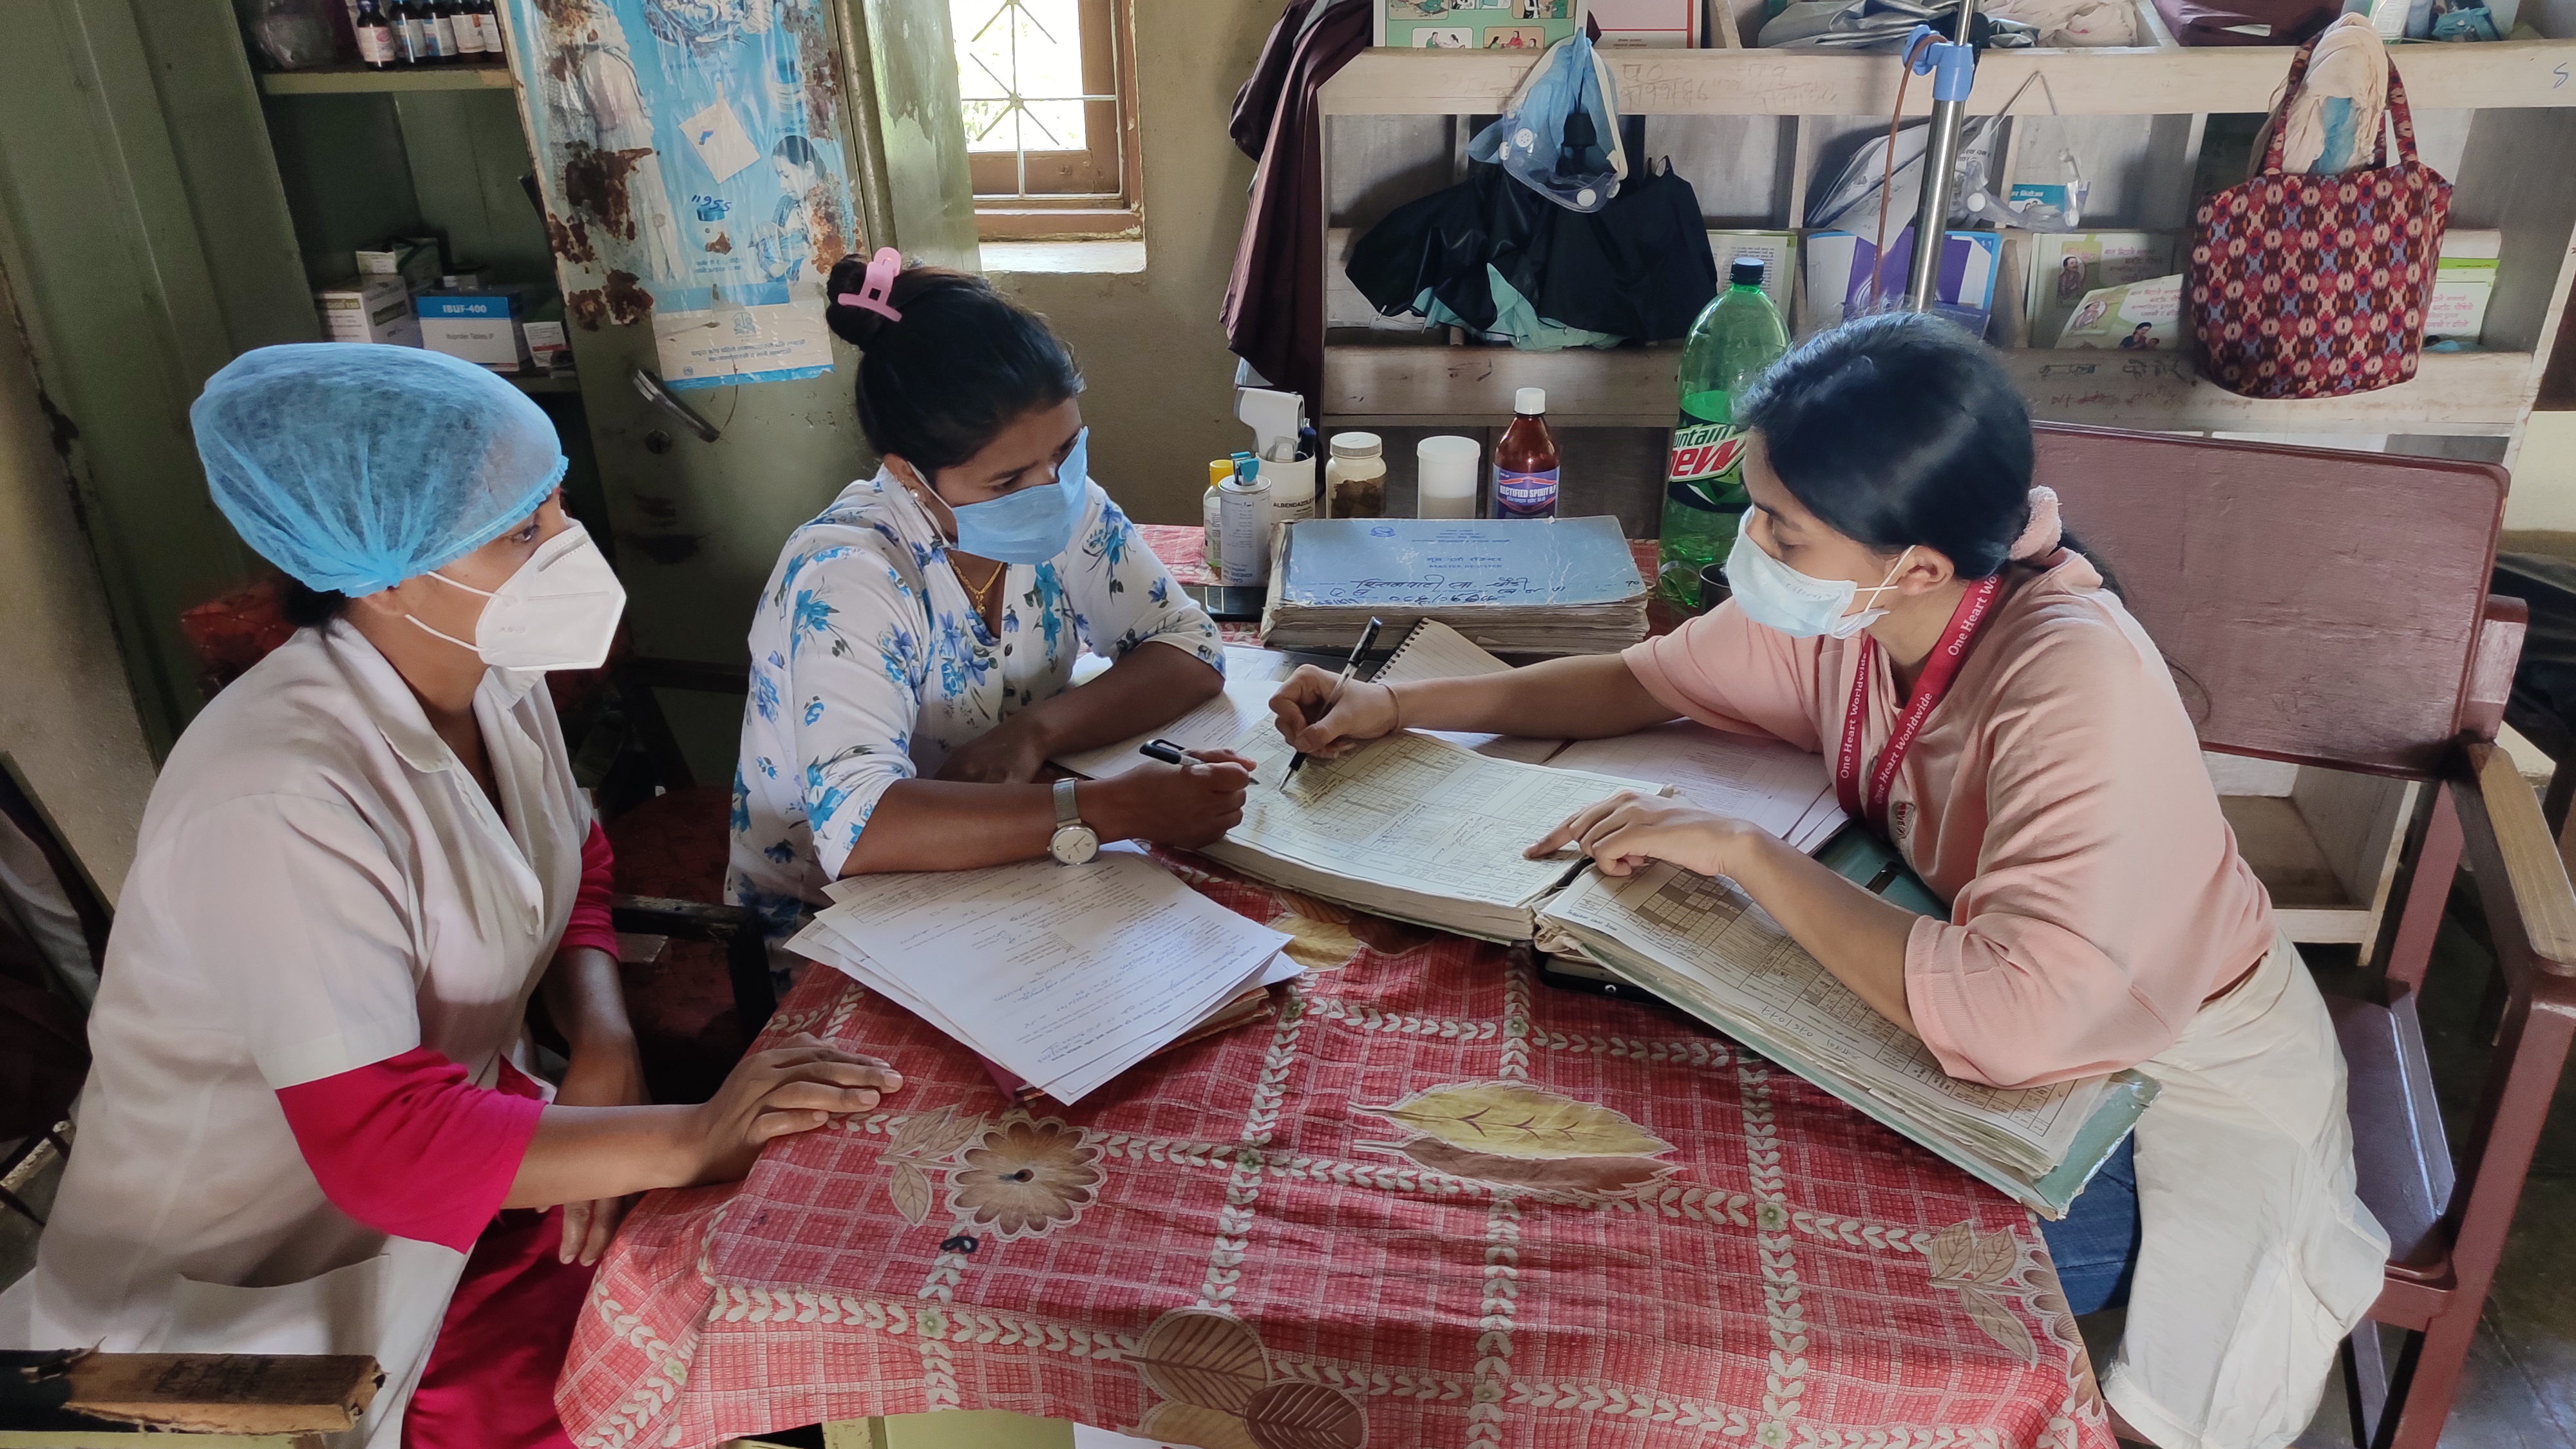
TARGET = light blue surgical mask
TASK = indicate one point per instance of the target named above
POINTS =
(1777, 596)
(1029, 525)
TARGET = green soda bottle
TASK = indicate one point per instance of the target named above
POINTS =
(1732, 341)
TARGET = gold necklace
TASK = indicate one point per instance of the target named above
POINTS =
(983, 595)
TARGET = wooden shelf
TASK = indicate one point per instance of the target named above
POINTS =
(1417, 385)
(342, 80)
(2113, 82)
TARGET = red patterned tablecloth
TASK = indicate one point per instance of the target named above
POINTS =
(1432, 1204)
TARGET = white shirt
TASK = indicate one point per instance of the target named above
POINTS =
(319, 885)
(870, 665)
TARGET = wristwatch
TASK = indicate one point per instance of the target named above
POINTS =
(1073, 843)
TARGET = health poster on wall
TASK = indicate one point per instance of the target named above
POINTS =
(690, 161)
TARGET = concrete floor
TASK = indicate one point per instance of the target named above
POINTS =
(2520, 1389)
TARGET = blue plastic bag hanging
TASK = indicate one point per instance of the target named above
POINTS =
(1560, 135)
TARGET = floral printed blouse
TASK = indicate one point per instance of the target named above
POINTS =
(870, 665)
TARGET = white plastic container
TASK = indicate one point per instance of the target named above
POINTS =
(1292, 492)
(1445, 477)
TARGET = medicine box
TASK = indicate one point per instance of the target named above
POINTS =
(481, 327)
(414, 259)
(368, 309)
(1521, 26)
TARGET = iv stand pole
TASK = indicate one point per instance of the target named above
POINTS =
(1953, 67)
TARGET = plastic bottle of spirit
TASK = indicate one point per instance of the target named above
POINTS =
(1731, 343)
(1525, 461)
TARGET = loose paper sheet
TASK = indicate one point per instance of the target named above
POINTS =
(1068, 975)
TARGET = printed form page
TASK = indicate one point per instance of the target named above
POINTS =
(1070, 974)
(1770, 784)
(1418, 813)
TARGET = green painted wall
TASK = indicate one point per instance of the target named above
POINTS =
(149, 243)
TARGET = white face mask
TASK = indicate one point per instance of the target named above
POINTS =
(1779, 597)
(559, 611)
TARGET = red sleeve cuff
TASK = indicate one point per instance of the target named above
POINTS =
(409, 1147)
(592, 924)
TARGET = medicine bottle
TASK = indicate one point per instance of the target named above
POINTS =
(1355, 477)
(1212, 515)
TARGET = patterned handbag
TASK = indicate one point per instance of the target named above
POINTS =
(2315, 286)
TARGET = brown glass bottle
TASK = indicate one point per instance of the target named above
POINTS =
(1525, 463)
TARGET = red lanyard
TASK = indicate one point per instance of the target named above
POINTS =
(1934, 682)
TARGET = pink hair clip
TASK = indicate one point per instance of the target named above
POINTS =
(879, 285)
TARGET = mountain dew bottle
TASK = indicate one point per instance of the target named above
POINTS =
(1735, 338)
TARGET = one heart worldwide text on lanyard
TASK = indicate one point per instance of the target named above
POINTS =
(1938, 672)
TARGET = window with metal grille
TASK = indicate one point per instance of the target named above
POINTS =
(1048, 93)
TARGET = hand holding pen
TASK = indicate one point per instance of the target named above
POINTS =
(1359, 651)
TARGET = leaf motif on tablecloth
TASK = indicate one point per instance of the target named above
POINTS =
(2000, 1323)
(910, 1189)
(1514, 1119)
(1588, 1176)
(1178, 1423)
(1196, 1356)
(1317, 945)
(1960, 1255)
(1293, 1415)
(930, 1136)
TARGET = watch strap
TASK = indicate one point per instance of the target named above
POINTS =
(1066, 812)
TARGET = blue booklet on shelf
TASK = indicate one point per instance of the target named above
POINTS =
(1539, 586)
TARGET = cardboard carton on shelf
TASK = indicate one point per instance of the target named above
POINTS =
(368, 309)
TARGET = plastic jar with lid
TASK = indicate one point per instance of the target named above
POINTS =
(1355, 477)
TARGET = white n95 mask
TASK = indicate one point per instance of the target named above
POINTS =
(559, 611)
(1777, 596)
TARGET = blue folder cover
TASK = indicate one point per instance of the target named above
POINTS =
(1445, 562)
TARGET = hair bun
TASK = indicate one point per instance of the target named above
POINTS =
(857, 326)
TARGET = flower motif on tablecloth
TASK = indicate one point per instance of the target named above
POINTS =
(1025, 1177)
(921, 1143)
(1219, 1393)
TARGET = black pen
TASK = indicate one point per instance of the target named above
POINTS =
(1368, 637)
(1165, 751)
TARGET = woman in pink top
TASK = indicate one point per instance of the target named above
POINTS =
(1904, 603)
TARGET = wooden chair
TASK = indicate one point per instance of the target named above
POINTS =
(2332, 609)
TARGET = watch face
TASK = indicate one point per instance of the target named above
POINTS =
(1073, 844)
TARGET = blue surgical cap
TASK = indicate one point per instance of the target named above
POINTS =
(354, 466)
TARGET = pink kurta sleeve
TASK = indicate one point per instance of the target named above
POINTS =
(591, 924)
(2102, 902)
(1729, 673)
(409, 1147)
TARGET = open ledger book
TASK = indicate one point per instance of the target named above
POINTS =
(1703, 946)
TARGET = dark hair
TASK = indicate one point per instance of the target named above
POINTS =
(794, 150)
(963, 364)
(307, 607)
(1900, 429)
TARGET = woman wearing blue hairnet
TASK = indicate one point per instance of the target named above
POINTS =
(912, 656)
(312, 1125)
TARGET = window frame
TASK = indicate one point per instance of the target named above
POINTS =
(1111, 205)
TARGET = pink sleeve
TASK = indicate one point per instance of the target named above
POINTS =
(1729, 673)
(590, 924)
(2102, 899)
(409, 1147)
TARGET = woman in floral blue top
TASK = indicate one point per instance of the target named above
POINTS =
(906, 693)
